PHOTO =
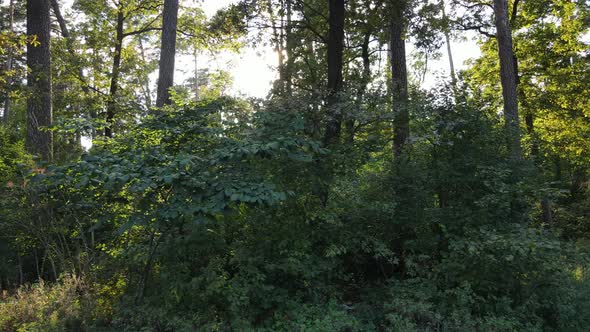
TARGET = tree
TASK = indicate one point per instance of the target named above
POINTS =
(447, 34)
(335, 64)
(168, 51)
(124, 13)
(508, 77)
(39, 108)
(399, 76)
(115, 72)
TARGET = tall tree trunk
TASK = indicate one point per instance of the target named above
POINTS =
(451, 63)
(366, 78)
(290, 46)
(115, 71)
(168, 52)
(449, 52)
(8, 66)
(399, 79)
(277, 33)
(39, 112)
(335, 64)
(508, 78)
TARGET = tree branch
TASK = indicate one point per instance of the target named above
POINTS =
(478, 28)
(146, 28)
(137, 32)
(514, 11)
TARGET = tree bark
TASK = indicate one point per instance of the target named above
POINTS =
(60, 20)
(449, 52)
(335, 64)
(114, 86)
(8, 67)
(399, 79)
(39, 112)
(168, 52)
(508, 78)
(290, 46)
(277, 33)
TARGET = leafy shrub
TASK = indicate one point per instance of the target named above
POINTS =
(42, 307)
(12, 155)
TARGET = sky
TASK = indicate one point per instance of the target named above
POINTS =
(253, 70)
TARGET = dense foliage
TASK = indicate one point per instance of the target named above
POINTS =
(222, 213)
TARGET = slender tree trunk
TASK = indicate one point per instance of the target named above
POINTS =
(546, 211)
(8, 66)
(60, 20)
(37, 266)
(168, 52)
(143, 280)
(21, 275)
(278, 40)
(399, 79)
(115, 71)
(335, 64)
(39, 112)
(508, 78)
(451, 63)
(314, 128)
(449, 52)
(53, 268)
(366, 78)
(290, 46)
(43, 260)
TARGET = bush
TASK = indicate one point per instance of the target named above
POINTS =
(46, 307)
(12, 155)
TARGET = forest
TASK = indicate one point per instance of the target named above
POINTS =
(379, 185)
